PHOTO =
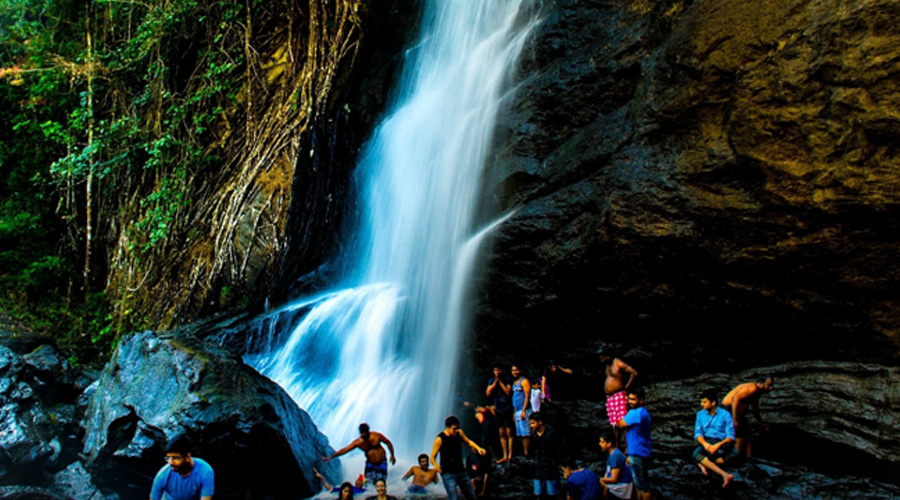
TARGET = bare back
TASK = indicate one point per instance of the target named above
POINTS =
(747, 394)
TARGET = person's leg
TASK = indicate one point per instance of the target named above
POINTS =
(553, 488)
(709, 464)
(538, 488)
(639, 475)
(449, 481)
(526, 445)
(605, 490)
(465, 486)
(505, 444)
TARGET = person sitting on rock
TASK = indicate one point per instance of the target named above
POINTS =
(370, 443)
(422, 476)
(714, 432)
(617, 480)
(184, 477)
(738, 401)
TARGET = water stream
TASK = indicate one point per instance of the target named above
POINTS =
(383, 345)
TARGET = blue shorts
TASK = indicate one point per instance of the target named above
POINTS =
(375, 472)
(639, 473)
(415, 489)
(548, 487)
(522, 428)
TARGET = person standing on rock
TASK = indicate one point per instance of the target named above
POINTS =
(637, 436)
(521, 402)
(549, 451)
(619, 377)
(500, 388)
(738, 401)
(714, 432)
(370, 443)
(184, 477)
(452, 468)
(553, 381)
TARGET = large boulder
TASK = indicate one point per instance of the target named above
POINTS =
(258, 441)
(39, 431)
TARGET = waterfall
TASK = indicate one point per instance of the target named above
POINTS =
(383, 346)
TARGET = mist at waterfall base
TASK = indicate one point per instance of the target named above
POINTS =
(383, 345)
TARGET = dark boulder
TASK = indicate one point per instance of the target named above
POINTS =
(39, 431)
(258, 441)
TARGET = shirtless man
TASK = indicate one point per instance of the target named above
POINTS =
(422, 476)
(738, 401)
(369, 442)
(619, 377)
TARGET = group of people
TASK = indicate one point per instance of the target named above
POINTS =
(721, 432)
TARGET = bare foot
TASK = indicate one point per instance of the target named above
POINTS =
(504, 459)
(728, 478)
(703, 470)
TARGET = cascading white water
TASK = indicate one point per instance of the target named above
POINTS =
(384, 348)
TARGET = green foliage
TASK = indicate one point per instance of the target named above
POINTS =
(140, 111)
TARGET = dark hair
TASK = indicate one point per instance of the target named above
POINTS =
(536, 416)
(637, 391)
(381, 480)
(451, 421)
(762, 379)
(569, 463)
(363, 428)
(711, 395)
(346, 484)
(423, 455)
(609, 437)
(180, 444)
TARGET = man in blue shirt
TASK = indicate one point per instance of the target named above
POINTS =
(581, 484)
(637, 421)
(714, 431)
(617, 480)
(184, 477)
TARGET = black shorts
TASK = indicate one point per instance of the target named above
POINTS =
(505, 419)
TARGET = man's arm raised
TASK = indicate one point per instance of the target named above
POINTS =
(353, 444)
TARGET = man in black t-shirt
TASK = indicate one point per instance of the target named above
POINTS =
(452, 470)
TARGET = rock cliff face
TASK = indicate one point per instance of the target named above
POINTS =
(714, 183)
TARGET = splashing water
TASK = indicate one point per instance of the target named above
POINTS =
(384, 348)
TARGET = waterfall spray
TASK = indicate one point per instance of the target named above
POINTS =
(384, 347)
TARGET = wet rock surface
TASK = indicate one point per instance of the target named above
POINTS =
(706, 179)
(39, 431)
(830, 439)
(259, 442)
